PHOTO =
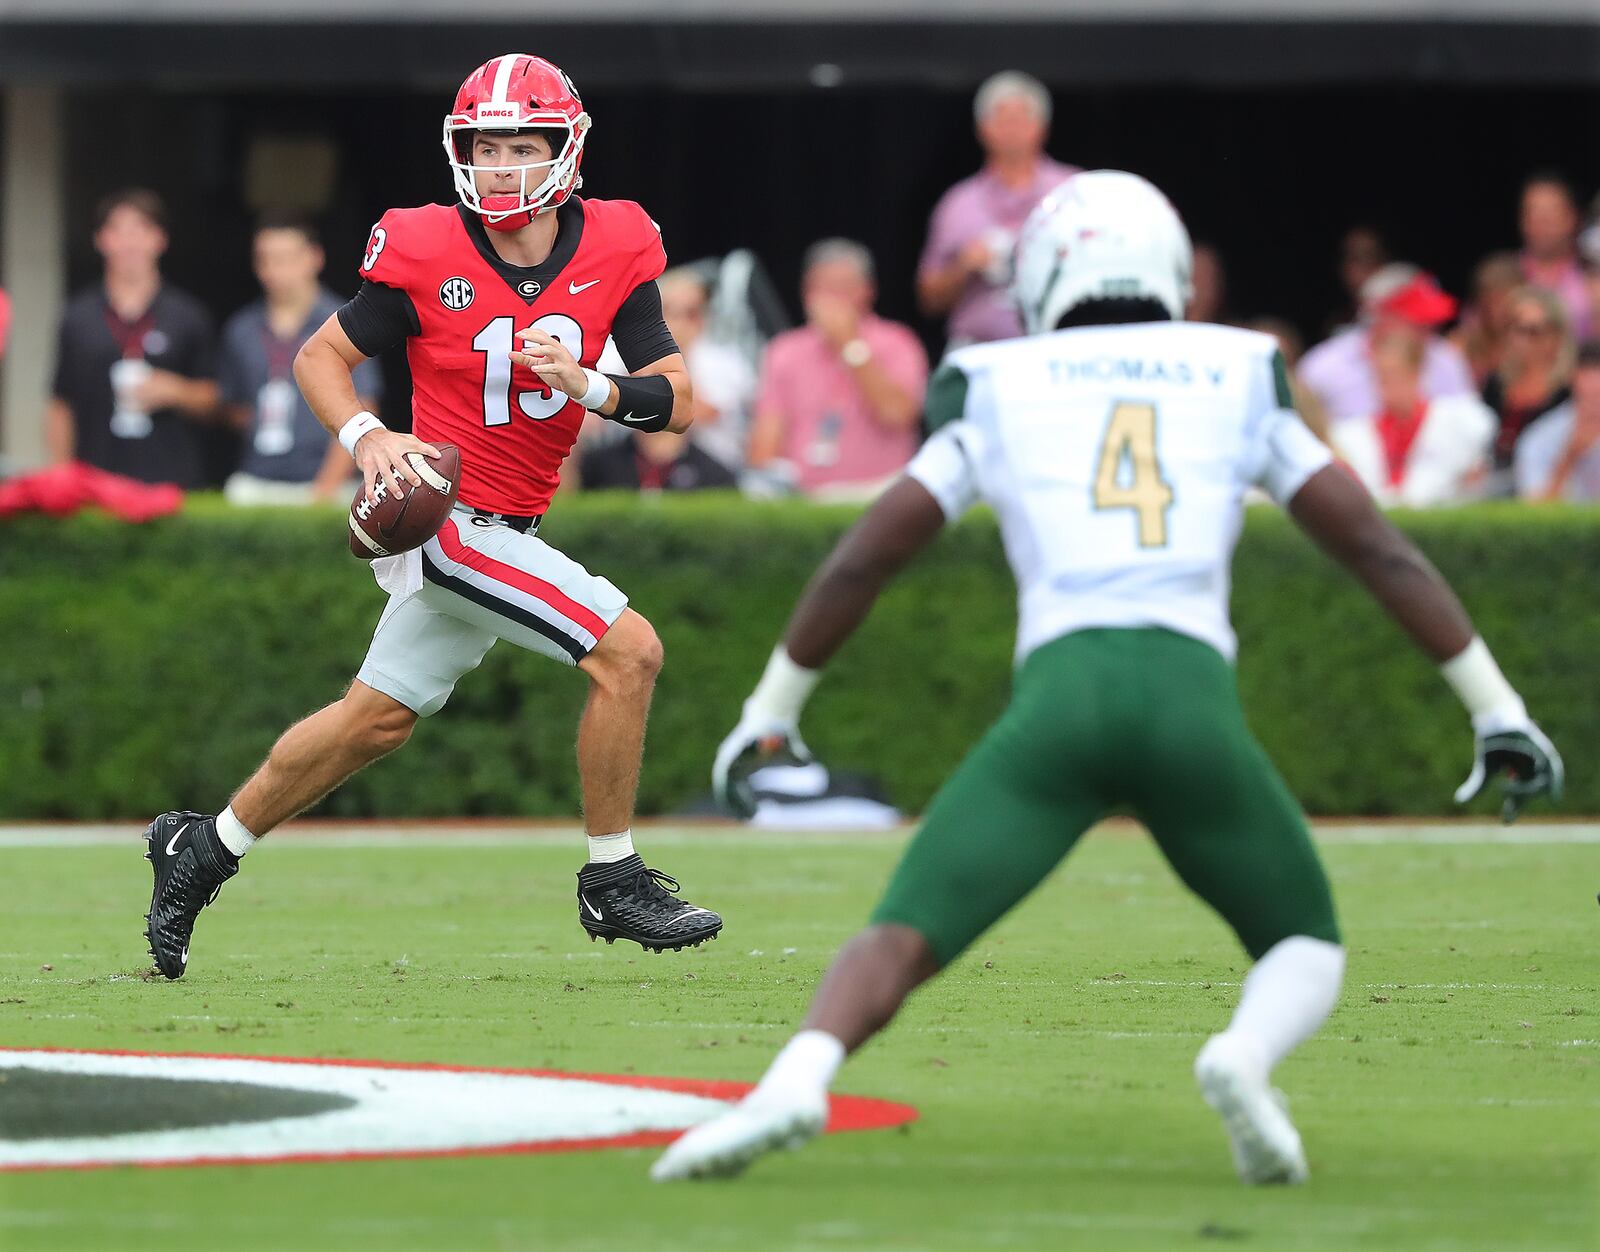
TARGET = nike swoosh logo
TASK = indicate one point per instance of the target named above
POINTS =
(593, 912)
(629, 417)
(574, 288)
(172, 844)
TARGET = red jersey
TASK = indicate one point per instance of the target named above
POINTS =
(513, 431)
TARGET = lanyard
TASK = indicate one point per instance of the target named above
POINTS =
(130, 336)
(280, 354)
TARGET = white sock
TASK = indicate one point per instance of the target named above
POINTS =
(231, 831)
(1287, 996)
(617, 847)
(806, 1065)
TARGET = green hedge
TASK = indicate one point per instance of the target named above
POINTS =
(146, 668)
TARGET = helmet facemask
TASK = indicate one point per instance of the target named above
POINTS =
(541, 185)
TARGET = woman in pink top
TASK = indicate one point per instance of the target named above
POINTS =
(840, 397)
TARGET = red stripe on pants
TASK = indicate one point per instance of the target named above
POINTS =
(511, 576)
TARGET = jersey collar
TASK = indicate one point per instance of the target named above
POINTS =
(530, 281)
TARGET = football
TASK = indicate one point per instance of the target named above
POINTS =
(390, 524)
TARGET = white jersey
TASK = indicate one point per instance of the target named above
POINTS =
(1117, 459)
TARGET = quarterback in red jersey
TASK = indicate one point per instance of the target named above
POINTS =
(503, 301)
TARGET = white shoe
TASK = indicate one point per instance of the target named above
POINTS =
(760, 1123)
(1266, 1146)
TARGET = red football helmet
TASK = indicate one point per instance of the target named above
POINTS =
(517, 92)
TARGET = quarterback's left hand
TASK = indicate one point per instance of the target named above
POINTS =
(1517, 747)
(547, 357)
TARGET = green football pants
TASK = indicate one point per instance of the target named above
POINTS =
(1145, 722)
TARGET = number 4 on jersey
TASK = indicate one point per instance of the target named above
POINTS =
(1131, 436)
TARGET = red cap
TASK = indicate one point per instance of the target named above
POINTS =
(1419, 300)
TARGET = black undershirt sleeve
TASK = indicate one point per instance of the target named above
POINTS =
(639, 330)
(379, 317)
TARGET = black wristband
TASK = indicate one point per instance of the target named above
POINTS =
(642, 403)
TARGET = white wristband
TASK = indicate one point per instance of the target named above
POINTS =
(1477, 680)
(357, 426)
(784, 688)
(599, 390)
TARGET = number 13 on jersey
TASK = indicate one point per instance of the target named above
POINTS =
(1131, 440)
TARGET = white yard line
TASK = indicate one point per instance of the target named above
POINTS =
(389, 834)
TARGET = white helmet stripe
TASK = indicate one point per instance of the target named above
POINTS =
(502, 76)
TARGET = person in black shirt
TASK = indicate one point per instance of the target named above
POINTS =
(134, 366)
(659, 461)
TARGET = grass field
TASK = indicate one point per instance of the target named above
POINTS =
(1452, 1102)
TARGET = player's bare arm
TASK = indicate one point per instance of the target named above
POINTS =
(1339, 514)
(900, 524)
(649, 407)
(324, 368)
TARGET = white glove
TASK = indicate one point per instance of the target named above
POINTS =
(1509, 741)
(759, 739)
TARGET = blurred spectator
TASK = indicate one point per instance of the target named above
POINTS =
(841, 396)
(135, 357)
(1338, 371)
(1209, 302)
(1293, 347)
(1416, 452)
(1485, 326)
(1549, 221)
(1534, 373)
(652, 461)
(724, 384)
(288, 457)
(966, 262)
(1589, 253)
(1559, 459)
(1362, 253)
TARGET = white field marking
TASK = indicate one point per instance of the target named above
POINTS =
(396, 1110)
(380, 833)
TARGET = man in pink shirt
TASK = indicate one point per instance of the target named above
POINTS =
(966, 263)
(840, 397)
(1339, 372)
(1549, 220)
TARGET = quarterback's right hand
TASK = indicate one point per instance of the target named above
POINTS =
(382, 454)
(1522, 751)
(754, 742)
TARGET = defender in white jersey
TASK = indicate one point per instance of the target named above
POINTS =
(1117, 446)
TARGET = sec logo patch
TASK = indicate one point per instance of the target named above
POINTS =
(455, 293)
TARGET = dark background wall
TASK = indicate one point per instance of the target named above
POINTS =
(1271, 176)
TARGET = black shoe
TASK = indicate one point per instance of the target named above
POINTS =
(627, 899)
(190, 864)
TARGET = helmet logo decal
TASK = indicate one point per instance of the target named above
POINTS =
(497, 112)
(455, 293)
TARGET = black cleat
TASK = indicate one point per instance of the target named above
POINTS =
(627, 899)
(190, 865)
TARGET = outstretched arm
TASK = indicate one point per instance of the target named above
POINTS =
(902, 522)
(1340, 516)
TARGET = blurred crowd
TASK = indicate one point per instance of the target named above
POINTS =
(1428, 398)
